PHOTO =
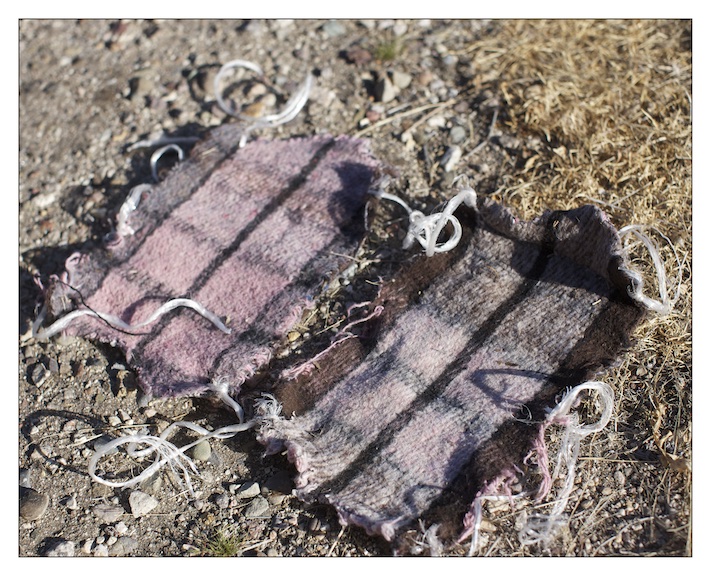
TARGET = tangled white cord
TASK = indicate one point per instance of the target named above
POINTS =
(426, 229)
(541, 528)
(169, 454)
(665, 304)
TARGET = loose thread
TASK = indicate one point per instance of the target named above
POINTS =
(291, 109)
(158, 154)
(665, 304)
(541, 528)
(267, 408)
(118, 324)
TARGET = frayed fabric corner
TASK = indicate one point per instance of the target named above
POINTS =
(217, 263)
(466, 352)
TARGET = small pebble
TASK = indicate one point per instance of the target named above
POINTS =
(38, 374)
(108, 513)
(101, 551)
(425, 77)
(124, 546)
(257, 508)
(222, 501)
(333, 28)
(111, 541)
(385, 90)
(401, 79)
(201, 452)
(71, 503)
(620, 478)
(248, 490)
(114, 421)
(399, 28)
(63, 549)
(32, 504)
(437, 122)
(121, 528)
(141, 503)
(25, 478)
(86, 547)
(458, 134)
(199, 504)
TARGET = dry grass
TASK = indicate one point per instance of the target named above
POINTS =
(604, 109)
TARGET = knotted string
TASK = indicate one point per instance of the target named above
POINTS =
(426, 229)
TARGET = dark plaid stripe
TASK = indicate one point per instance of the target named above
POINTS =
(601, 344)
(271, 207)
(434, 391)
(183, 181)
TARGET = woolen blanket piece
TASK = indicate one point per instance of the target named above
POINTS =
(413, 421)
(250, 233)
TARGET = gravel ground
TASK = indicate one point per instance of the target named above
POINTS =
(90, 89)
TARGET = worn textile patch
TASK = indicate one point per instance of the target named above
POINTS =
(414, 422)
(251, 234)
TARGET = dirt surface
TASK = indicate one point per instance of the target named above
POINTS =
(546, 115)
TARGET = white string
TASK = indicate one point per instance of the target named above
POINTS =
(540, 528)
(665, 304)
(478, 513)
(267, 408)
(426, 229)
(291, 109)
(129, 205)
(116, 322)
(158, 154)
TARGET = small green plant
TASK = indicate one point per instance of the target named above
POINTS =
(224, 545)
(387, 50)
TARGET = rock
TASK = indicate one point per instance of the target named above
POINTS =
(458, 134)
(71, 503)
(124, 546)
(257, 508)
(141, 503)
(425, 77)
(101, 551)
(201, 452)
(399, 28)
(385, 90)
(358, 55)
(401, 79)
(333, 28)
(38, 374)
(108, 513)
(25, 478)
(121, 528)
(248, 490)
(32, 504)
(63, 549)
(222, 501)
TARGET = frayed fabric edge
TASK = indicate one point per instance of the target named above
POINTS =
(538, 528)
